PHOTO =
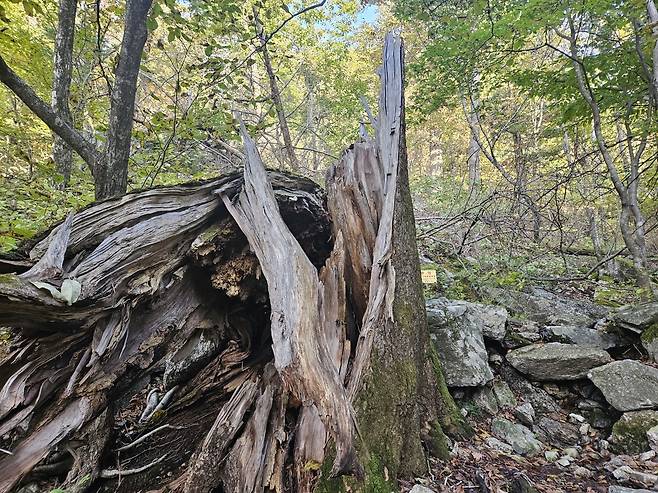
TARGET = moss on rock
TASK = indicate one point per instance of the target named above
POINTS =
(629, 434)
(650, 334)
(451, 420)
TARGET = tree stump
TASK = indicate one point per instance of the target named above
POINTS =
(243, 334)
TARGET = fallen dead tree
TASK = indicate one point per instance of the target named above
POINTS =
(243, 334)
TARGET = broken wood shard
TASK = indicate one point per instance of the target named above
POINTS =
(304, 363)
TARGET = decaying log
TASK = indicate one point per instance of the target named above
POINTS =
(243, 334)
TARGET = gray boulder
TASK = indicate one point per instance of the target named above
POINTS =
(491, 319)
(485, 400)
(504, 395)
(459, 343)
(556, 433)
(541, 401)
(628, 474)
(556, 361)
(623, 489)
(522, 333)
(525, 413)
(584, 336)
(419, 488)
(627, 385)
(637, 317)
(652, 438)
(494, 443)
(629, 434)
(547, 308)
(521, 439)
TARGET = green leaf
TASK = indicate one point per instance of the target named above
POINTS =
(71, 290)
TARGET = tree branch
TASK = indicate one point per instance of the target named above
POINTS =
(85, 149)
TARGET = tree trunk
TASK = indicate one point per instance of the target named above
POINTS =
(213, 335)
(652, 13)
(276, 95)
(112, 175)
(631, 220)
(473, 147)
(62, 68)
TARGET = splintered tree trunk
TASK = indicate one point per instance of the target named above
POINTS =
(245, 334)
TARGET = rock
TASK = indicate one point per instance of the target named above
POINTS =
(576, 418)
(521, 484)
(504, 395)
(459, 393)
(540, 400)
(637, 317)
(588, 405)
(556, 361)
(629, 434)
(419, 488)
(485, 400)
(647, 456)
(459, 343)
(571, 452)
(525, 413)
(521, 439)
(557, 433)
(652, 438)
(491, 319)
(556, 391)
(587, 389)
(495, 359)
(494, 320)
(582, 473)
(564, 461)
(522, 333)
(547, 308)
(622, 489)
(494, 443)
(584, 429)
(627, 385)
(599, 418)
(551, 455)
(584, 336)
(626, 473)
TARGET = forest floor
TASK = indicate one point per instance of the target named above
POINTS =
(475, 467)
(478, 465)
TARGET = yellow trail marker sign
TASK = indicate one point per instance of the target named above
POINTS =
(428, 276)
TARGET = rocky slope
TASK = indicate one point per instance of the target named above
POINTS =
(562, 393)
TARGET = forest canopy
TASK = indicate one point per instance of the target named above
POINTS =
(547, 106)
